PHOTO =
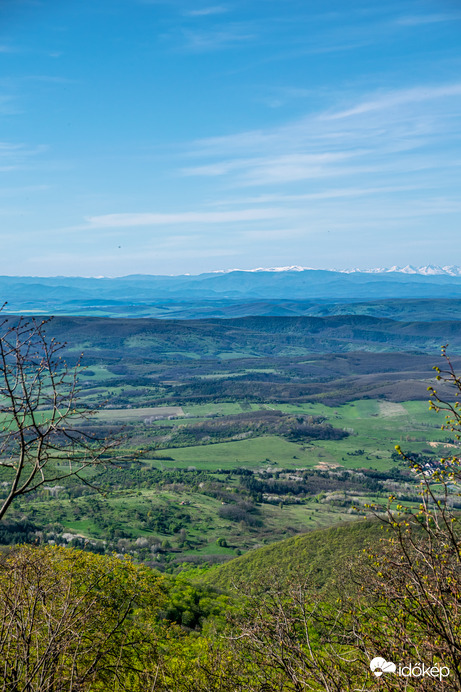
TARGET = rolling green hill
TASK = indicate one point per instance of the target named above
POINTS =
(315, 556)
(255, 337)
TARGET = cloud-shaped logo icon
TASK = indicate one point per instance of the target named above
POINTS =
(379, 666)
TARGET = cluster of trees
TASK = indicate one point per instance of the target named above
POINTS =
(16, 532)
(298, 429)
(241, 511)
(257, 391)
(311, 483)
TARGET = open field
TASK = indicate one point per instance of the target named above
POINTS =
(139, 414)
(373, 427)
(255, 453)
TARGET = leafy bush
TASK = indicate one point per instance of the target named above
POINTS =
(75, 621)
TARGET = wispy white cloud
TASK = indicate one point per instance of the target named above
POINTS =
(419, 19)
(14, 156)
(190, 217)
(383, 135)
(275, 97)
(215, 169)
(23, 190)
(313, 133)
(8, 105)
(51, 79)
(207, 11)
(305, 162)
(9, 147)
(214, 39)
(337, 46)
(398, 98)
(325, 195)
(273, 234)
(288, 169)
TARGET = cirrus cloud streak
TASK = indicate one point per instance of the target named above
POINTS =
(189, 217)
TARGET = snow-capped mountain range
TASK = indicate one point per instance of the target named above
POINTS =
(427, 270)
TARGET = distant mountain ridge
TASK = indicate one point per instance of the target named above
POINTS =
(279, 291)
(427, 270)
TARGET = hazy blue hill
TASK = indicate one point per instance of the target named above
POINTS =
(422, 310)
(232, 294)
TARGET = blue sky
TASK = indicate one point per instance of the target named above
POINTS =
(175, 136)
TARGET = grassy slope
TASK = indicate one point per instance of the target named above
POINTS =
(315, 556)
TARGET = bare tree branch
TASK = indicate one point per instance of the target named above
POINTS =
(44, 434)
